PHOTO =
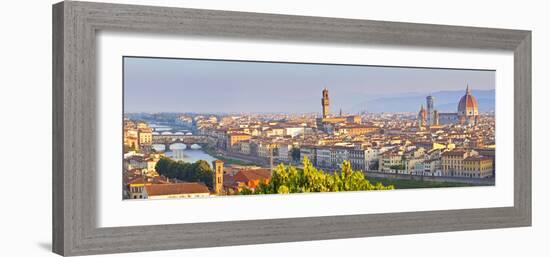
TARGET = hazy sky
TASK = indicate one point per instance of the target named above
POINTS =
(180, 85)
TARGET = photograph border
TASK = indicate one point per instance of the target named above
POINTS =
(74, 164)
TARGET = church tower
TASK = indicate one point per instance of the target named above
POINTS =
(422, 117)
(218, 177)
(430, 110)
(325, 103)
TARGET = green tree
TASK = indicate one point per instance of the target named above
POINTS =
(245, 191)
(202, 172)
(283, 190)
(289, 179)
(162, 165)
(199, 171)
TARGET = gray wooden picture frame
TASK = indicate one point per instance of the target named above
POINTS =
(75, 25)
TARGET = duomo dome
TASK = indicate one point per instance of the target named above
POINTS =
(467, 106)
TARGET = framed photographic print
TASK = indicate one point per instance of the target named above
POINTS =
(183, 128)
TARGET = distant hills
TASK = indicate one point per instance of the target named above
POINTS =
(445, 101)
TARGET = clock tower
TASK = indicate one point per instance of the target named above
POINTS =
(325, 104)
(218, 177)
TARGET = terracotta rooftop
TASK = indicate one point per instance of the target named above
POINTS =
(478, 158)
(176, 189)
(228, 180)
(454, 153)
(252, 174)
(353, 125)
(138, 180)
(149, 180)
(238, 134)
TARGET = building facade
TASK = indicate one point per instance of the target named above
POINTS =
(234, 138)
(323, 158)
(452, 162)
(477, 167)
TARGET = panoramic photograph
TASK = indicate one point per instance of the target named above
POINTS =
(209, 128)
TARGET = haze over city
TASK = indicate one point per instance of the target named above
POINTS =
(198, 128)
(184, 85)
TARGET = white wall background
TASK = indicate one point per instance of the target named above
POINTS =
(25, 126)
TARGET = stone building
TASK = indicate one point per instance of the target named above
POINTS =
(327, 122)
(217, 184)
(467, 112)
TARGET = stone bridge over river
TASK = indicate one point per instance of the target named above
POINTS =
(188, 140)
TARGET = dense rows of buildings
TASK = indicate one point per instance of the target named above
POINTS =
(460, 144)
(428, 143)
(137, 134)
(142, 181)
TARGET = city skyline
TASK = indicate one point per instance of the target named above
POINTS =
(190, 153)
(185, 85)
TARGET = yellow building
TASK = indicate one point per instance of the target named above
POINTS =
(131, 138)
(452, 162)
(449, 146)
(145, 136)
(478, 167)
(389, 161)
(137, 136)
(142, 125)
(234, 138)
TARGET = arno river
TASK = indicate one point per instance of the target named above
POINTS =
(178, 151)
(185, 153)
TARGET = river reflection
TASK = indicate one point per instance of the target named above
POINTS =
(190, 155)
(181, 152)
